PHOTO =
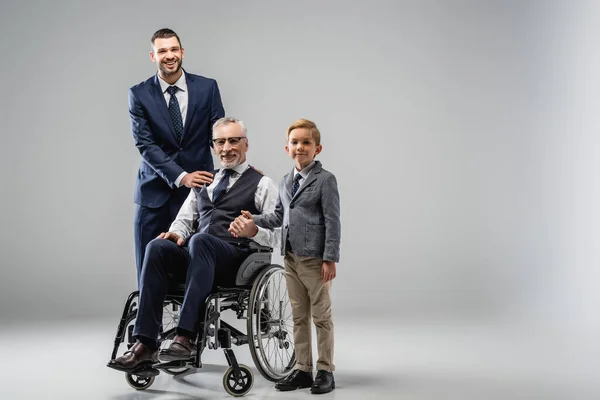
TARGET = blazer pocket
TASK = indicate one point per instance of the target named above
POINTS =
(315, 237)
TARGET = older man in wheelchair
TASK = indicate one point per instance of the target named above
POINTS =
(197, 270)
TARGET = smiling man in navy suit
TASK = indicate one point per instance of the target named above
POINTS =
(171, 114)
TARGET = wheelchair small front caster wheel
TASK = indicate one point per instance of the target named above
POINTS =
(238, 387)
(139, 382)
(176, 371)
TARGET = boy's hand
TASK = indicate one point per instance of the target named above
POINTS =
(243, 226)
(328, 271)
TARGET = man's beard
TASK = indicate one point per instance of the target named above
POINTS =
(166, 72)
(231, 164)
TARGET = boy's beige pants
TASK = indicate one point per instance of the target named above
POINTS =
(309, 296)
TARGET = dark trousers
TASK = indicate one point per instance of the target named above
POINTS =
(148, 223)
(205, 261)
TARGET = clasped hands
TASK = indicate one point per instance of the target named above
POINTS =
(244, 226)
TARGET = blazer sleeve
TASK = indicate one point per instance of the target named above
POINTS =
(273, 219)
(330, 201)
(151, 153)
(216, 111)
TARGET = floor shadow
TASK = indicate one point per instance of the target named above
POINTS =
(206, 369)
(157, 394)
(351, 379)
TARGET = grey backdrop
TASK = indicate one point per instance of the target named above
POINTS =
(463, 135)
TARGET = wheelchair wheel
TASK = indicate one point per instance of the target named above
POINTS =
(270, 325)
(238, 387)
(128, 340)
(139, 382)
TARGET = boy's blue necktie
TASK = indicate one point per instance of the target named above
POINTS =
(296, 184)
(175, 112)
(221, 187)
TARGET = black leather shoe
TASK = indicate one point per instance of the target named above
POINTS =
(182, 348)
(138, 356)
(296, 380)
(324, 383)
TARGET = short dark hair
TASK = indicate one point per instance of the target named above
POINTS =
(164, 33)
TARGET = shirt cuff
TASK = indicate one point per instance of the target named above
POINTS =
(179, 178)
(261, 237)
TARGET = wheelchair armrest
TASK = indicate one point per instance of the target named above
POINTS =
(251, 267)
(257, 247)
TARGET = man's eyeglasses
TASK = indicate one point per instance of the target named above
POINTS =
(220, 142)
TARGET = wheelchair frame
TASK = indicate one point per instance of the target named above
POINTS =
(242, 299)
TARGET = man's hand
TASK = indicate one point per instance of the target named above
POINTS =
(173, 237)
(328, 271)
(197, 179)
(243, 226)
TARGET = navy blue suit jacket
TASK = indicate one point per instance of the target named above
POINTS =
(163, 159)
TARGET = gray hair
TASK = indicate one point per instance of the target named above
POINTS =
(230, 120)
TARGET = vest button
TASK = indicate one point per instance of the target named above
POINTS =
(291, 206)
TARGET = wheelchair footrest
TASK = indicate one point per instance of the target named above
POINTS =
(174, 364)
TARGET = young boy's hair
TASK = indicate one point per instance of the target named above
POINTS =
(306, 124)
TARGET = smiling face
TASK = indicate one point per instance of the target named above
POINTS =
(230, 144)
(302, 147)
(167, 54)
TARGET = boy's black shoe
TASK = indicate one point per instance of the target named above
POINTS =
(324, 383)
(297, 380)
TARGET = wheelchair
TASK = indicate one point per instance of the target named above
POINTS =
(259, 297)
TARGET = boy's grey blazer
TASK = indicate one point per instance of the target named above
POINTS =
(312, 216)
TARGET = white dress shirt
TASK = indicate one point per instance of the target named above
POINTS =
(265, 199)
(182, 99)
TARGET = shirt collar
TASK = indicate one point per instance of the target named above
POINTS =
(239, 169)
(305, 171)
(180, 83)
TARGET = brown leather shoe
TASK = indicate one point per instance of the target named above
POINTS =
(182, 348)
(139, 355)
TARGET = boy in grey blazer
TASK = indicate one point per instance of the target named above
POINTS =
(308, 209)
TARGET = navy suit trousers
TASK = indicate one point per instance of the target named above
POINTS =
(203, 262)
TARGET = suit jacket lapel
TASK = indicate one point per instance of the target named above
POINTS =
(191, 106)
(309, 179)
(161, 104)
